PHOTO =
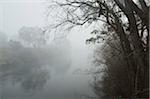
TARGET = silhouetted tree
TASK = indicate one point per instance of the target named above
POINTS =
(129, 20)
(115, 80)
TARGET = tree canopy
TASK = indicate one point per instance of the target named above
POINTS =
(129, 20)
(31, 66)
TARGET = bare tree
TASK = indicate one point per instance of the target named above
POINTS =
(129, 20)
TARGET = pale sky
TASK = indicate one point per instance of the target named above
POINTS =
(17, 13)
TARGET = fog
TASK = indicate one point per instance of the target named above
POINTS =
(40, 64)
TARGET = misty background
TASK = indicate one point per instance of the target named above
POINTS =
(39, 64)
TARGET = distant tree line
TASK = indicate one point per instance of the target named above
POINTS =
(30, 60)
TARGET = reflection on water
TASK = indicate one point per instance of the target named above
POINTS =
(54, 89)
(41, 72)
(25, 69)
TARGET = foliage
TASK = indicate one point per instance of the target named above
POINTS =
(22, 65)
(33, 36)
(127, 19)
(31, 66)
(115, 81)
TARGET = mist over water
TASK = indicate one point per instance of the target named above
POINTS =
(34, 65)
